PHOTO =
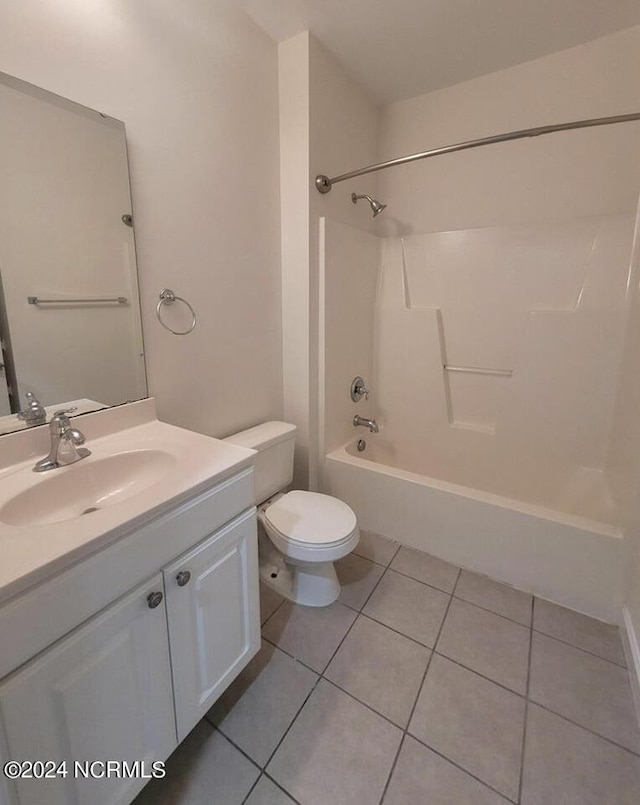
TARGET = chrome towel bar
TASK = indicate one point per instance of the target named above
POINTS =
(38, 300)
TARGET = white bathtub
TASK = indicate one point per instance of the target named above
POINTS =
(559, 555)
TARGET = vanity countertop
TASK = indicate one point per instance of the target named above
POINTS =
(175, 465)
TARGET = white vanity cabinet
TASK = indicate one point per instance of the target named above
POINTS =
(102, 693)
(142, 665)
(212, 601)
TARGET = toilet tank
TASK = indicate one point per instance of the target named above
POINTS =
(273, 465)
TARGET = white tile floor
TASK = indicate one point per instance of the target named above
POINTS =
(422, 685)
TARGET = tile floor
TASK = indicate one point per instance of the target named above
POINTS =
(422, 685)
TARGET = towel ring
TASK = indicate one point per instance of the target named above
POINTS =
(168, 297)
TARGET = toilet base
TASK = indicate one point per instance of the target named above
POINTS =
(310, 584)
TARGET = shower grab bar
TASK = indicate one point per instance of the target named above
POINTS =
(324, 183)
(37, 300)
(478, 370)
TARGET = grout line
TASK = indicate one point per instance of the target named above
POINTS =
(284, 790)
(415, 702)
(456, 582)
(462, 768)
(262, 625)
(584, 650)
(586, 729)
(369, 559)
(493, 612)
(316, 683)
(375, 586)
(253, 786)
(481, 675)
(395, 553)
(538, 704)
(392, 542)
(480, 606)
(471, 670)
(293, 720)
(364, 704)
(239, 748)
(277, 785)
(452, 594)
(425, 583)
(393, 766)
(526, 709)
(391, 629)
(292, 657)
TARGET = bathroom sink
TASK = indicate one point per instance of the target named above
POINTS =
(139, 469)
(86, 487)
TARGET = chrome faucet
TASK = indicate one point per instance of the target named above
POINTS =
(65, 444)
(34, 413)
(366, 423)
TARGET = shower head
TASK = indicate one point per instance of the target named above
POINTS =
(376, 206)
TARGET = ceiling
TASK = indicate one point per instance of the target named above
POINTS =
(401, 48)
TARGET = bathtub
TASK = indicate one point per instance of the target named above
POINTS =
(562, 556)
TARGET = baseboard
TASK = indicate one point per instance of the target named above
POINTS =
(632, 652)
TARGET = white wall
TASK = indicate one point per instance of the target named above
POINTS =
(196, 84)
(348, 285)
(328, 125)
(293, 66)
(555, 177)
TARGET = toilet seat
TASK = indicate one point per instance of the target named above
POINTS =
(310, 526)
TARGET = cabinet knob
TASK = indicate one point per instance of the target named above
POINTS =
(154, 600)
(183, 578)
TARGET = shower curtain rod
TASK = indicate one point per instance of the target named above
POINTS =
(324, 183)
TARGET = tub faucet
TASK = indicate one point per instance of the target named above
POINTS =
(366, 423)
(65, 442)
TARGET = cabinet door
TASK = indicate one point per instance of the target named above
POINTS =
(214, 617)
(102, 693)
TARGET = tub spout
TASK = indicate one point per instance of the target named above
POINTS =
(366, 423)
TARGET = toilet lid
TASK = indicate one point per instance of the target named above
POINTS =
(311, 517)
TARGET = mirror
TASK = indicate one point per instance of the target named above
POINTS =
(69, 302)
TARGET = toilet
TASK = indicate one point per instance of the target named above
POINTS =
(300, 534)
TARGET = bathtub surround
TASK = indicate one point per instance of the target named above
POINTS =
(503, 473)
(624, 467)
(545, 228)
(528, 317)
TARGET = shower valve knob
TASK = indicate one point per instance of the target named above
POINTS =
(358, 389)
